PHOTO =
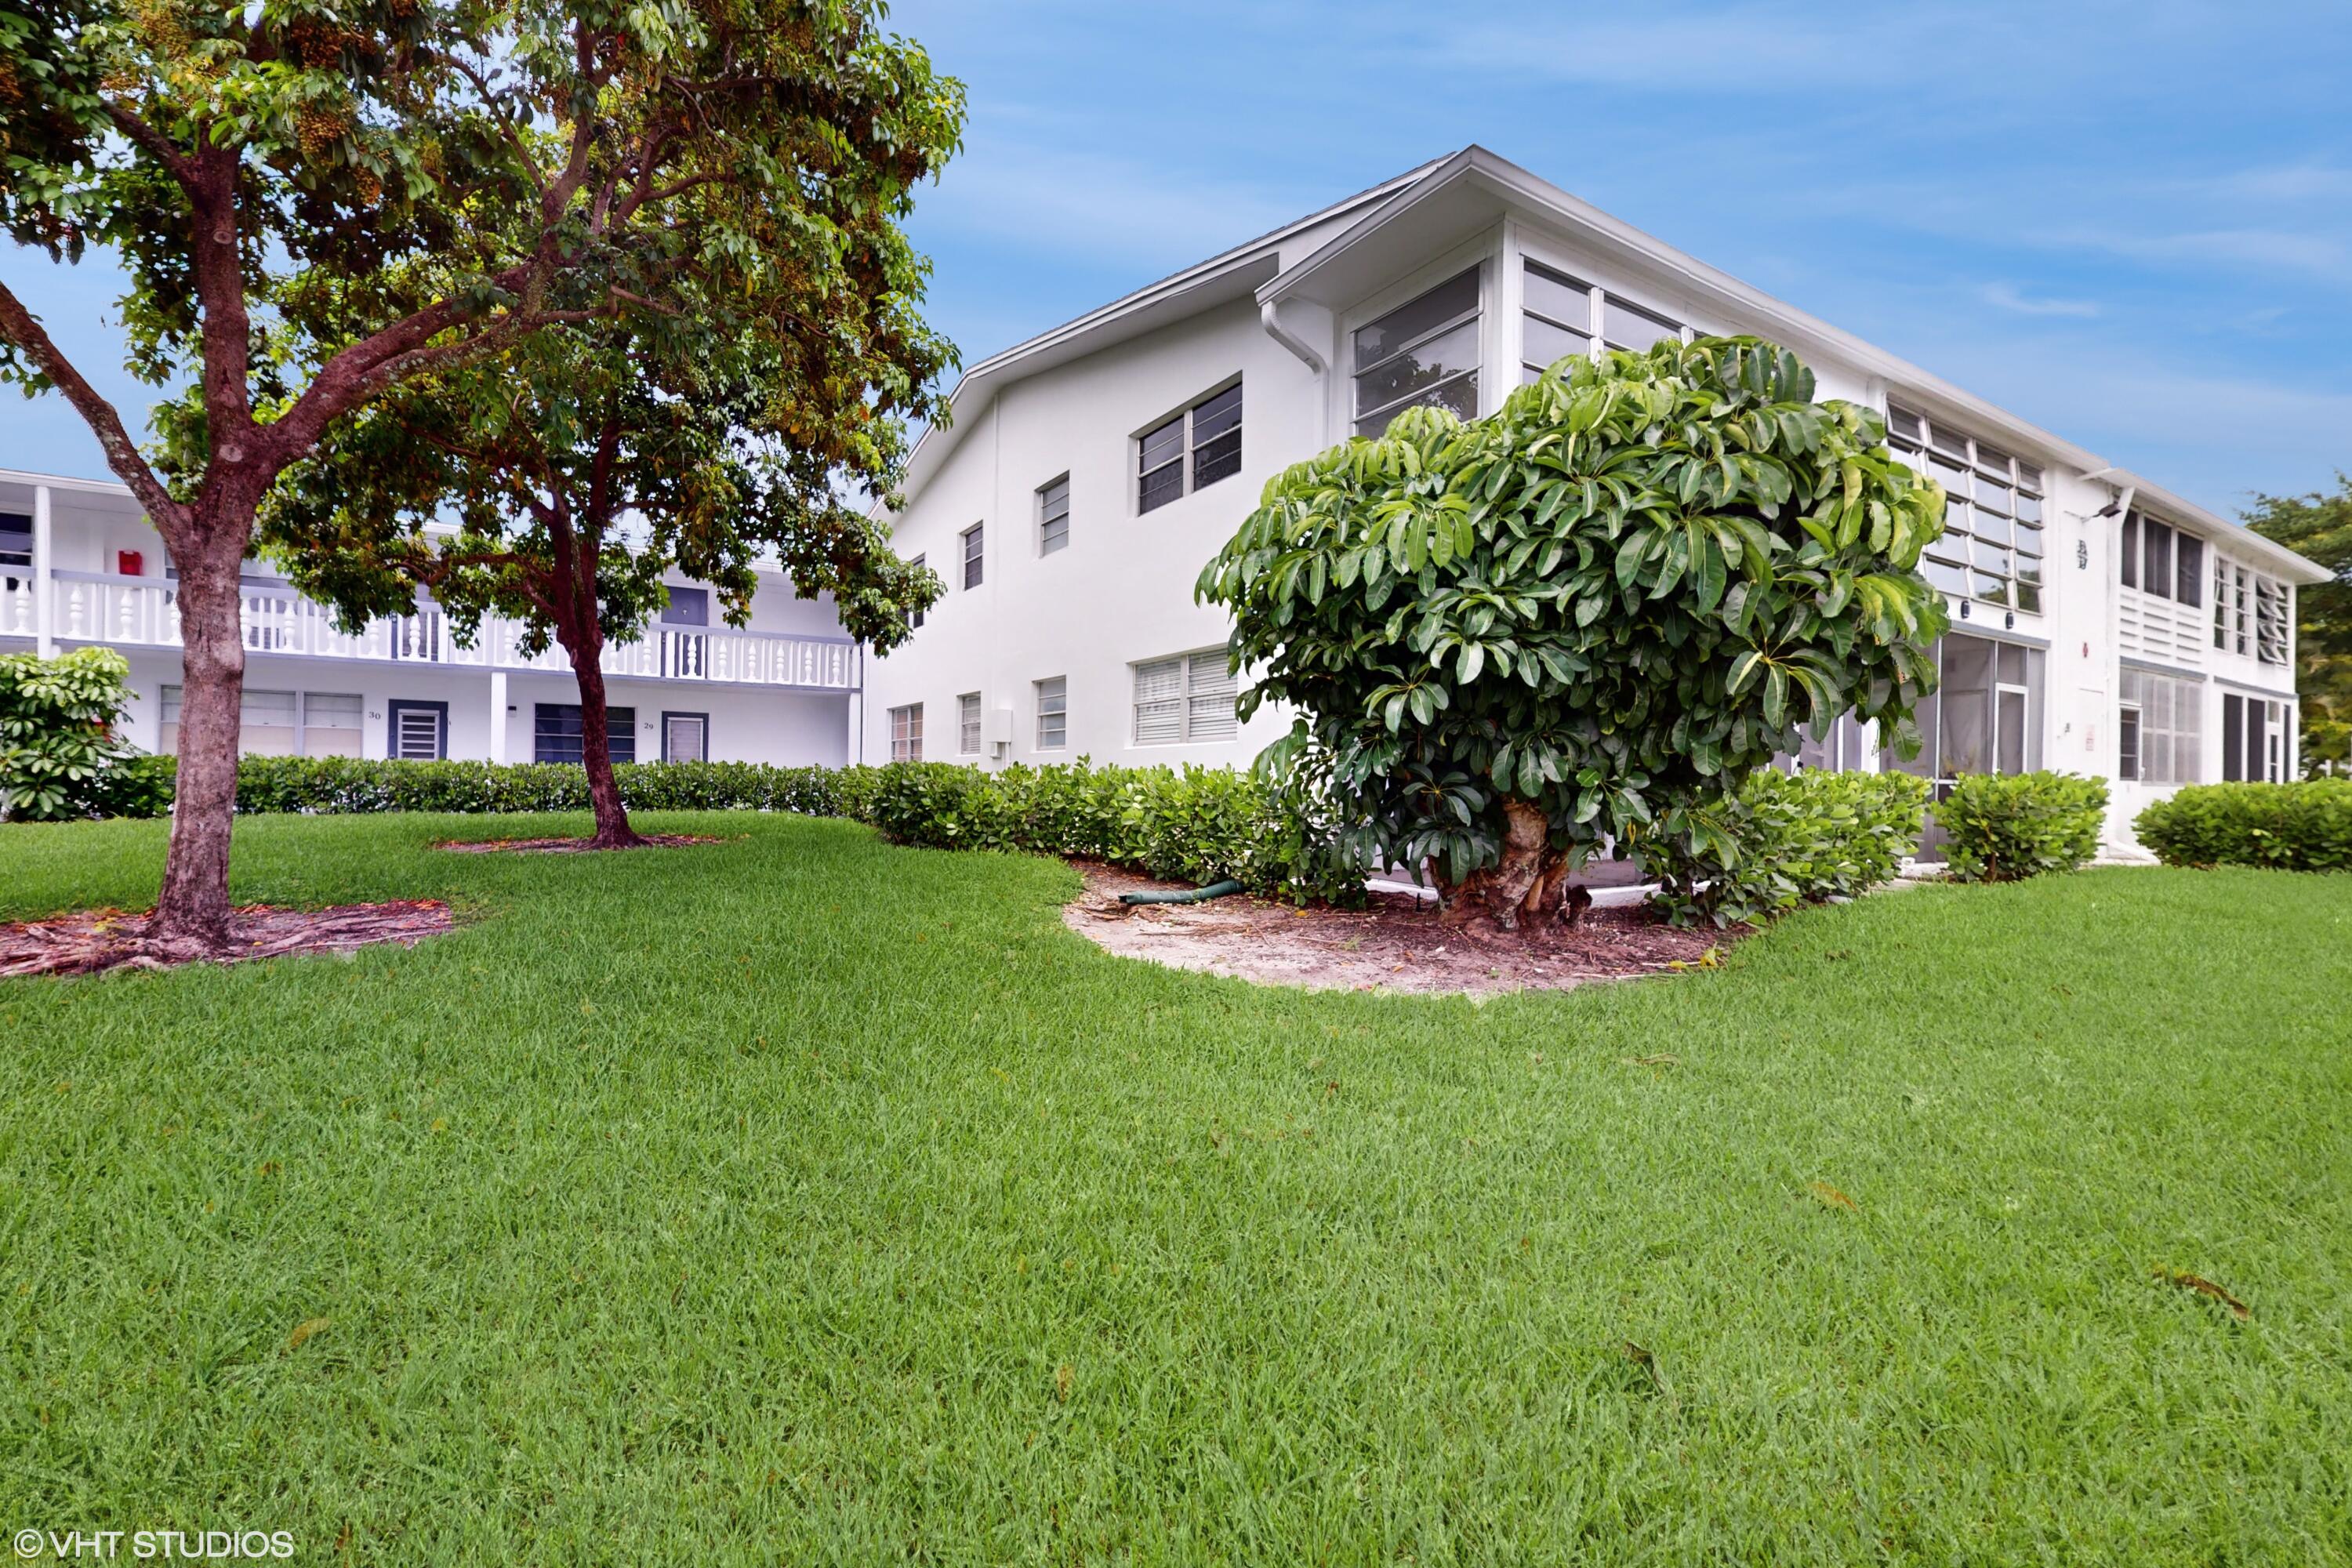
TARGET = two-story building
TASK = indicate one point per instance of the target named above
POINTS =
(80, 564)
(2101, 624)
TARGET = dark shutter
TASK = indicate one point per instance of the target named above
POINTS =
(2233, 728)
(2129, 554)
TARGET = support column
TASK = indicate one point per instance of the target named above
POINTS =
(45, 605)
(498, 715)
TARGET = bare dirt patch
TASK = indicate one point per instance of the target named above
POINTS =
(569, 845)
(95, 939)
(1395, 945)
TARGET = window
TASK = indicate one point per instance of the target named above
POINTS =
(2253, 739)
(555, 733)
(2270, 621)
(331, 723)
(968, 725)
(2250, 613)
(1423, 351)
(1625, 325)
(917, 619)
(686, 737)
(1054, 713)
(1991, 547)
(2160, 559)
(1054, 516)
(2160, 729)
(687, 607)
(1557, 323)
(268, 724)
(906, 733)
(1211, 430)
(1186, 699)
(975, 540)
(16, 539)
(167, 704)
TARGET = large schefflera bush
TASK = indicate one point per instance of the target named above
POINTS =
(1587, 617)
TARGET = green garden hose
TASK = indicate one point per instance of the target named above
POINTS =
(1189, 896)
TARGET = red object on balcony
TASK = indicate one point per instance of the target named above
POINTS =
(129, 563)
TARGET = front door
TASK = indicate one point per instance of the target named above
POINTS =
(686, 738)
(419, 731)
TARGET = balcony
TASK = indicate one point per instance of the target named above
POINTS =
(143, 612)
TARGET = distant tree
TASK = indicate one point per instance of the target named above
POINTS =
(2319, 526)
(316, 200)
(579, 468)
(1589, 617)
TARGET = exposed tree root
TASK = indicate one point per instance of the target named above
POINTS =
(93, 940)
(576, 845)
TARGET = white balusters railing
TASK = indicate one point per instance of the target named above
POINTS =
(144, 612)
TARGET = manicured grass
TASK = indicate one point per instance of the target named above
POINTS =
(805, 1200)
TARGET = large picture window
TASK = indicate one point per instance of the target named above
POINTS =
(1186, 699)
(555, 733)
(1423, 351)
(1991, 547)
(2160, 728)
(1210, 432)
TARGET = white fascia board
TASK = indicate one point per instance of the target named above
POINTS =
(60, 482)
(1478, 185)
(1475, 186)
(2232, 535)
(1231, 273)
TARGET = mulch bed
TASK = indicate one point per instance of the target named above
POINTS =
(569, 845)
(96, 940)
(1397, 944)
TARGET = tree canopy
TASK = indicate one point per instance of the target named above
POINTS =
(315, 200)
(569, 474)
(1589, 616)
(2319, 525)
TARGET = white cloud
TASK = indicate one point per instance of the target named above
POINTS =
(2009, 298)
(1103, 206)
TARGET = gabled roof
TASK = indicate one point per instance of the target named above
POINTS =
(1475, 187)
(1230, 275)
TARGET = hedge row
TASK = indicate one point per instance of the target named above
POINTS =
(2304, 826)
(1804, 837)
(1199, 824)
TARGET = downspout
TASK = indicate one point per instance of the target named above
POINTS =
(1269, 316)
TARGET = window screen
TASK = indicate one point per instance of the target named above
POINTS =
(1423, 351)
(555, 733)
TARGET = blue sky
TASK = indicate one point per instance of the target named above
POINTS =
(2129, 223)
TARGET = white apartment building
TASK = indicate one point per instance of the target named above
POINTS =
(80, 564)
(2101, 624)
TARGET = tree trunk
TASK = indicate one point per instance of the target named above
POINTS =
(192, 912)
(612, 829)
(1528, 874)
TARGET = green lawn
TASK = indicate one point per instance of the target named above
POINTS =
(805, 1200)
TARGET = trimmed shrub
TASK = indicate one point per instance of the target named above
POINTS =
(2304, 826)
(58, 743)
(1201, 825)
(1798, 838)
(2004, 828)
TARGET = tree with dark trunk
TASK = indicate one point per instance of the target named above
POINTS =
(1584, 620)
(302, 196)
(557, 484)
